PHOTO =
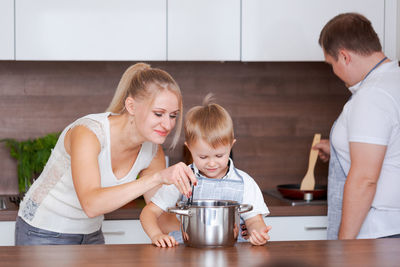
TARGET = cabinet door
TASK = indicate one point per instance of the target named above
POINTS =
(6, 29)
(204, 30)
(91, 30)
(297, 228)
(124, 232)
(392, 29)
(288, 30)
(7, 230)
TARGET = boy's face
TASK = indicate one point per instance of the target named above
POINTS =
(211, 162)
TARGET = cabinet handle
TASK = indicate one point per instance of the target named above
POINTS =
(114, 233)
(312, 228)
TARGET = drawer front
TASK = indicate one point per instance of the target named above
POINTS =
(297, 227)
(124, 232)
(7, 230)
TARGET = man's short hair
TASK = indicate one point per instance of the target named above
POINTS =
(351, 31)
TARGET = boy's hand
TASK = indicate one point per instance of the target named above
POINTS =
(243, 228)
(261, 237)
(163, 241)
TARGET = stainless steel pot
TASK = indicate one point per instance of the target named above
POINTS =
(210, 222)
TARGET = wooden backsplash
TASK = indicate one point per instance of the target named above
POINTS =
(276, 107)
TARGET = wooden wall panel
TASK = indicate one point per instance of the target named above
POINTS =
(276, 107)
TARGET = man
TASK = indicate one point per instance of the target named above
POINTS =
(364, 147)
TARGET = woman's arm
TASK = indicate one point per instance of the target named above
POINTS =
(84, 148)
(258, 230)
(157, 164)
(360, 186)
(95, 200)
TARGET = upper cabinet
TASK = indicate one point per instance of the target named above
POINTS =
(288, 30)
(91, 30)
(391, 43)
(182, 30)
(204, 30)
(7, 30)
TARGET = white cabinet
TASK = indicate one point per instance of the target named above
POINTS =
(297, 228)
(131, 231)
(392, 29)
(284, 228)
(124, 232)
(204, 30)
(6, 29)
(180, 30)
(288, 30)
(115, 232)
(91, 30)
(7, 230)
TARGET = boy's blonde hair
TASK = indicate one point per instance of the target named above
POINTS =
(135, 83)
(210, 122)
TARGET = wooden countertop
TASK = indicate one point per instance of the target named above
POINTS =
(132, 210)
(368, 252)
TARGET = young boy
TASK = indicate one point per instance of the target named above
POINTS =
(209, 138)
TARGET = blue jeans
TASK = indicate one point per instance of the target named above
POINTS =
(392, 236)
(26, 235)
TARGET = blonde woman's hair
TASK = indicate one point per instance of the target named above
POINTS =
(135, 83)
(210, 122)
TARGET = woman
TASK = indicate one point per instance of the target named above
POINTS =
(93, 168)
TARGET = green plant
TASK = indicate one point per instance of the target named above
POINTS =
(31, 156)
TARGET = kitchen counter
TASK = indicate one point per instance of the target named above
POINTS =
(132, 210)
(368, 252)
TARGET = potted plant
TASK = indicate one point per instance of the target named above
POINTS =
(31, 156)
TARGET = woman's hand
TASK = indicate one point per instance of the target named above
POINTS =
(324, 150)
(163, 241)
(261, 237)
(181, 176)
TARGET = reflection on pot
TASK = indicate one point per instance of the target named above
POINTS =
(212, 257)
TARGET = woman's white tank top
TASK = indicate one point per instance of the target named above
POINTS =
(52, 204)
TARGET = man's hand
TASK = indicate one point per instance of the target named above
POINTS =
(324, 150)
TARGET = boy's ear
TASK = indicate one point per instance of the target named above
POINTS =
(130, 105)
(186, 144)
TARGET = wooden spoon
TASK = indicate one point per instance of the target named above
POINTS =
(308, 182)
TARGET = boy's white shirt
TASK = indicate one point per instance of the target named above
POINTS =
(168, 195)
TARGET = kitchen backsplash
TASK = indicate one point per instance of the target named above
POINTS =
(276, 107)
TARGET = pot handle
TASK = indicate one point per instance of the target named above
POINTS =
(245, 208)
(179, 211)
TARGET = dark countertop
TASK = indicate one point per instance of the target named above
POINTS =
(132, 210)
(343, 253)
